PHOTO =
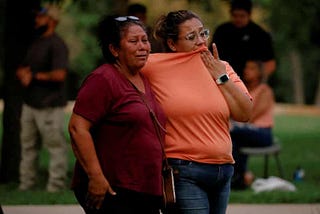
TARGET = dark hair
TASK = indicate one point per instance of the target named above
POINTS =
(259, 63)
(110, 31)
(136, 8)
(167, 26)
(241, 4)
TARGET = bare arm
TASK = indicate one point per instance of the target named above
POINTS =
(58, 75)
(268, 68)
(239, 103)
(24, 74)
(84, 150)
(262, 102)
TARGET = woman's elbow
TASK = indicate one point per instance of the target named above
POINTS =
(243, 114)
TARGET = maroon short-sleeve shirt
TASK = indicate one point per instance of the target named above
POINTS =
(124, 135)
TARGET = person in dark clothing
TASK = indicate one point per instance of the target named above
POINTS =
(241, 39)
(42, 74)
(140, 11)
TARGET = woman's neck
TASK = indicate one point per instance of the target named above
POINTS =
(133, 76)
(252, 85)
(126, 71)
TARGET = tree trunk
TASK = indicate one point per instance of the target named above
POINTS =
(297, 77)
(19, 16)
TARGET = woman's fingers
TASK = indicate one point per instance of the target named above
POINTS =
(215, 51)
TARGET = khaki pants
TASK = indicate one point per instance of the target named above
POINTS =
(43, 127)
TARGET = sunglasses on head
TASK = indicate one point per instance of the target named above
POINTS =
(126, 18)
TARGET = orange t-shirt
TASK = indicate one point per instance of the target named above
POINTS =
(198, 115)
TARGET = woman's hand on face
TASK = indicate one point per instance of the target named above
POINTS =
(214, 65)
(98, 187)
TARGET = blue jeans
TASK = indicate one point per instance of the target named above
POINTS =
(248, 136)
(201, 188)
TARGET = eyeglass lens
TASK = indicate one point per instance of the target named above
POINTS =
(204, 34)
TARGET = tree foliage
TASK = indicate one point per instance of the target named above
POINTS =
(295, 28)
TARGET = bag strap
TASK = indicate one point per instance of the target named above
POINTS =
(157, 125)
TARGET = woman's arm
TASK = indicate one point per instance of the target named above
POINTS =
(238, 101)
(84, 150)
(262, 102)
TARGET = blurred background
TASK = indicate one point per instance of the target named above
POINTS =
(294, 27)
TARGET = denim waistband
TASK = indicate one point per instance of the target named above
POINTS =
(176, 161)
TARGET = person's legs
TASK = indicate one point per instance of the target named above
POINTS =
(246, 136)
(125, 201)
(195, 182)
(29, 148)
(51, 126)
(219, 195)
(251, 136)
(131, 202)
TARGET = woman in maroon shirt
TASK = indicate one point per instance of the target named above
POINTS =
(119, 156)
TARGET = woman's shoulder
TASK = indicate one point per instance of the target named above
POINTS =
(265, 86)
(104, 74)
(265, 89)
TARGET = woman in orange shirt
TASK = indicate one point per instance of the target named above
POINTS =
(258, 131)
(199, 93)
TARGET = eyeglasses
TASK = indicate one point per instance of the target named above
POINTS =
(204, 34)
(126, 18)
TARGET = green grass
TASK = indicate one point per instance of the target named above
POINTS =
(300, 140)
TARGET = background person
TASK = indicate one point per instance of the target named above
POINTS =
(199, 93)
(241, 39)
(140, 11)
(258, 131)
(119, 156)
(43, 74)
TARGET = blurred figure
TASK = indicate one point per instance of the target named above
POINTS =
(119, 155)
(140, 11)
(258, 131)
(241, 39)
(43, 74)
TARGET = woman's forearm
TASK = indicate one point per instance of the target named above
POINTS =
(239, 102)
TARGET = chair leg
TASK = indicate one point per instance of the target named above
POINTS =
(266, 163)
(280, 169)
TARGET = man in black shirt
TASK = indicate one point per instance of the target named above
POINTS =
(42, 74)
(241, 39)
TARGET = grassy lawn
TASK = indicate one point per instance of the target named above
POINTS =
(300, 140)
